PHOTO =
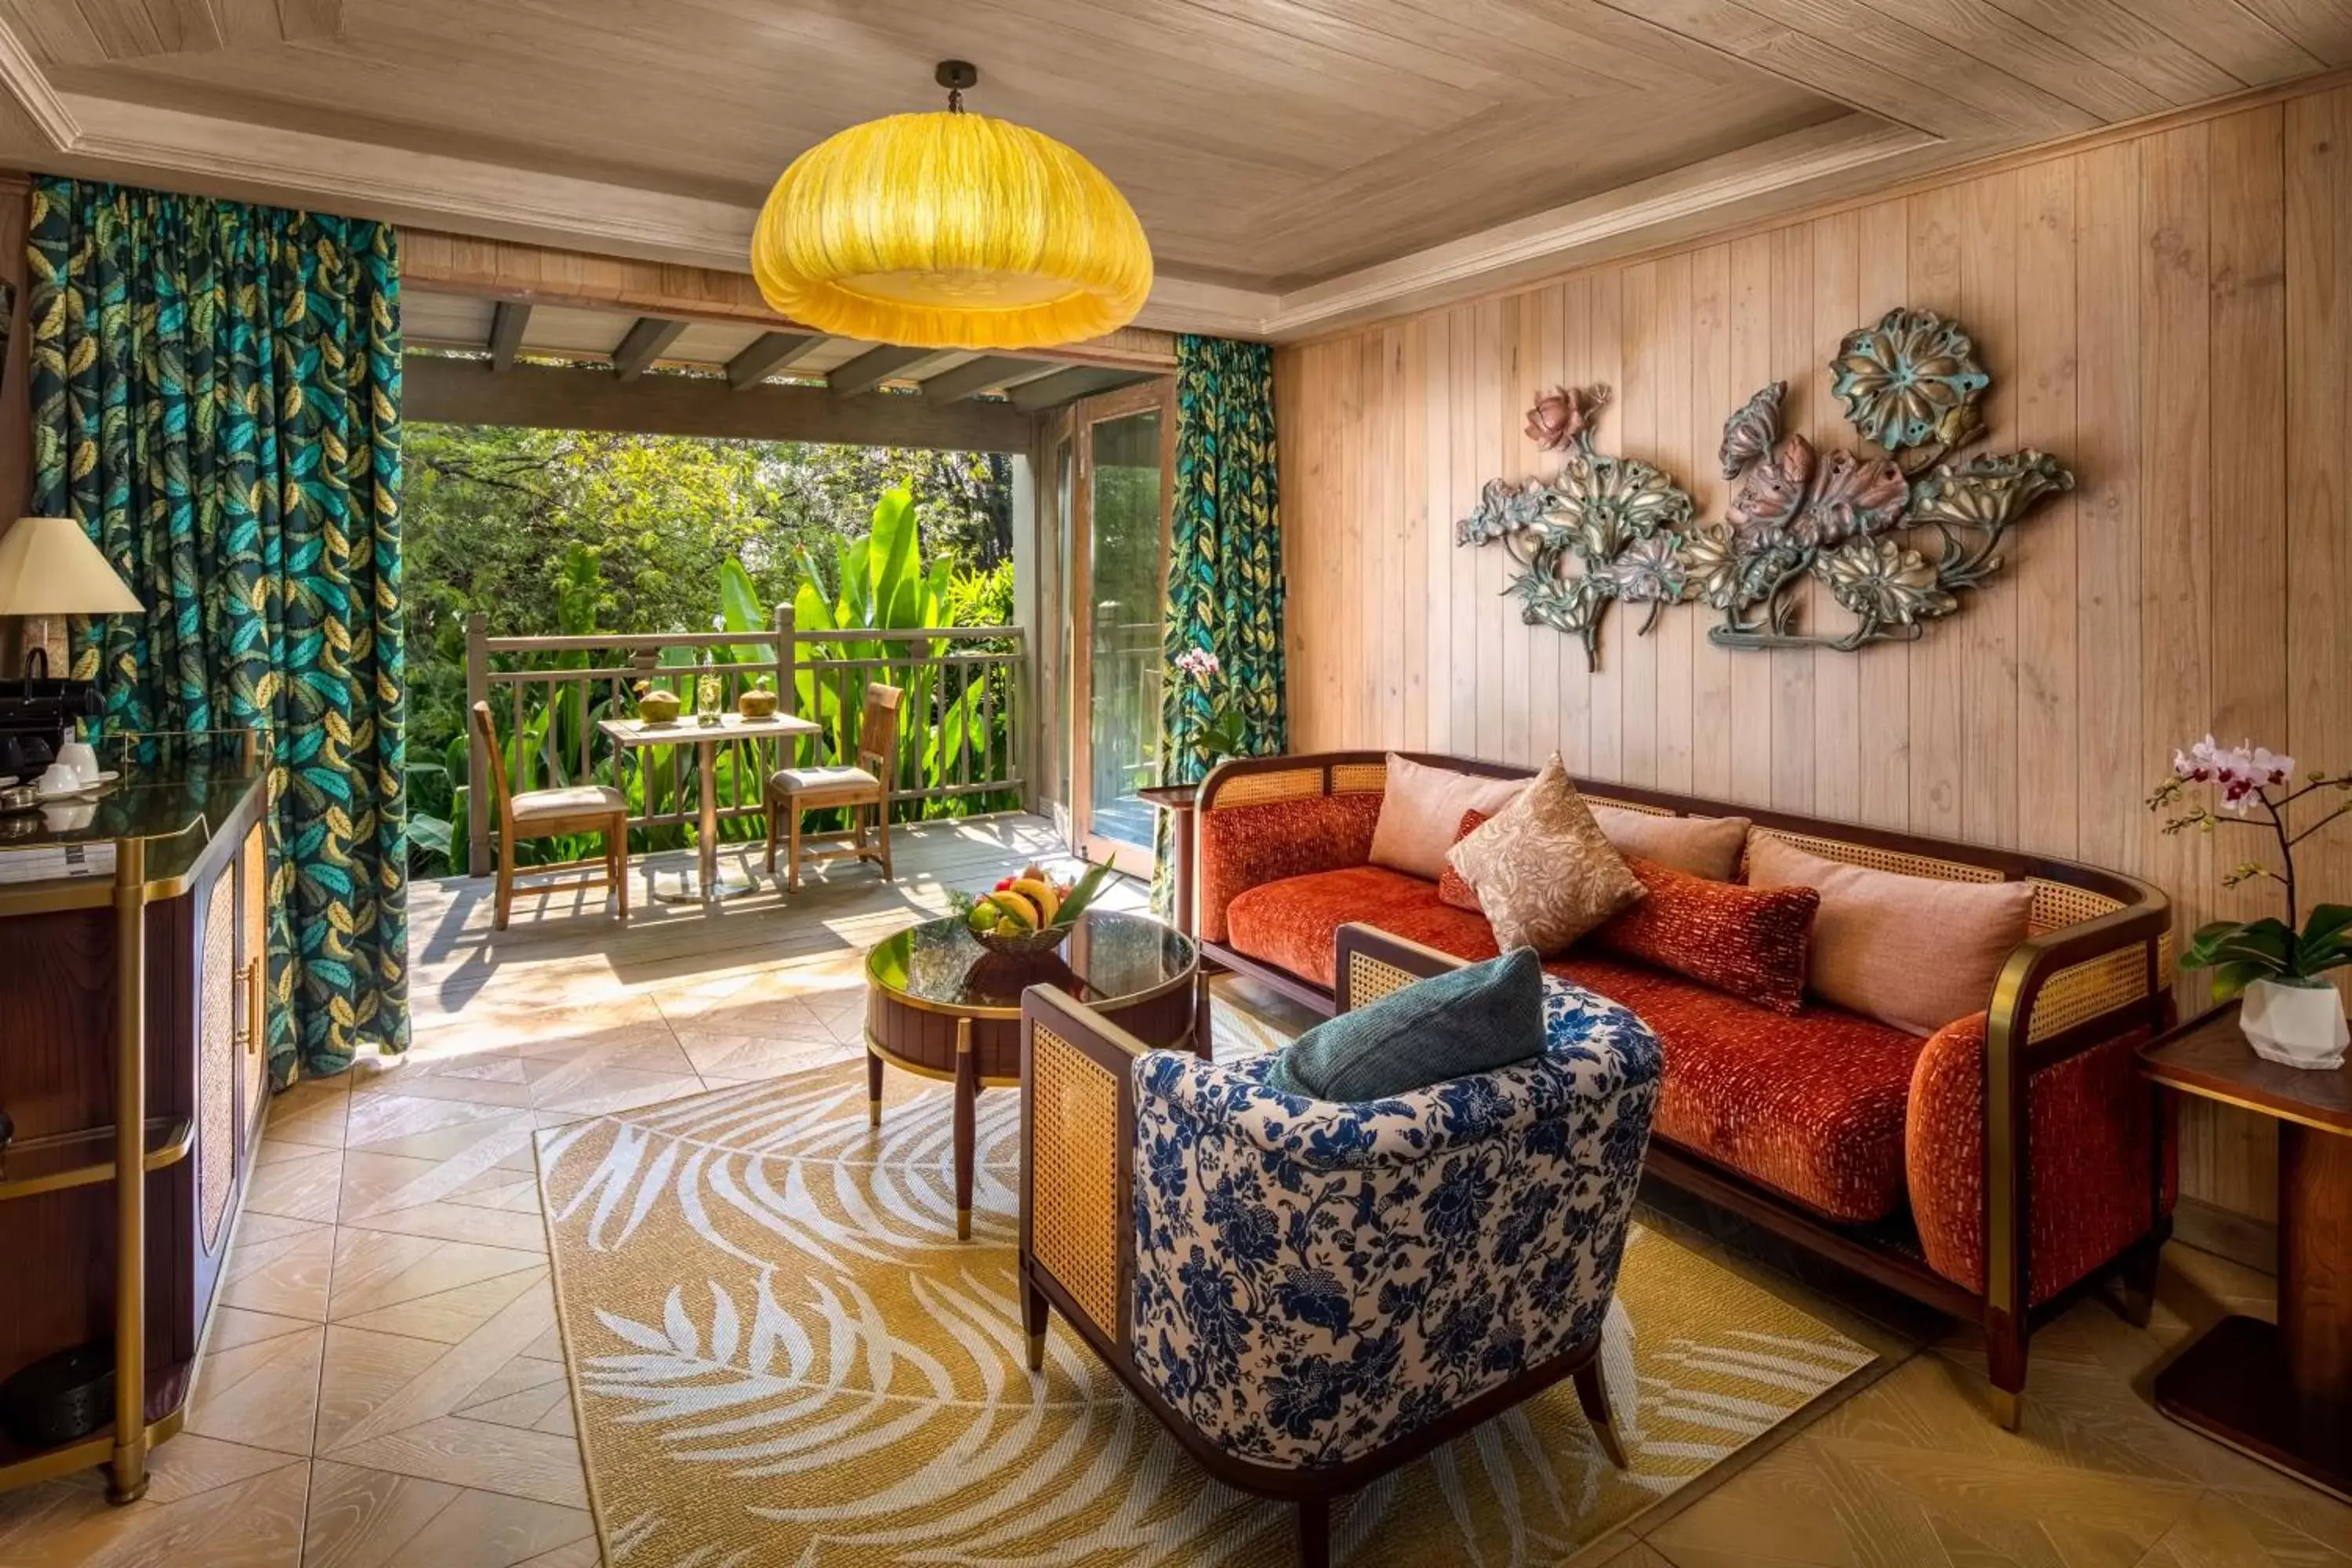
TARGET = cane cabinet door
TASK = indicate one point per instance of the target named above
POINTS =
(205, 1199)
(253, 987)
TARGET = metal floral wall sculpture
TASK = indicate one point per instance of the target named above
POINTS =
(1603, 529)
(1610, 528)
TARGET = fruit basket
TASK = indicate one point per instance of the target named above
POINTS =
(1030, 914)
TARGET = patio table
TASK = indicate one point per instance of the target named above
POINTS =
(685, 730)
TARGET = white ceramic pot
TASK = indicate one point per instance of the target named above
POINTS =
(2295, 1025)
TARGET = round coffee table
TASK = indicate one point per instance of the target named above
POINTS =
(940, 1005)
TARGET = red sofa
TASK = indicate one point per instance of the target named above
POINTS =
(1995, 1170)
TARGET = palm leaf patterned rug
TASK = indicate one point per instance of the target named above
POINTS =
(780, 1354)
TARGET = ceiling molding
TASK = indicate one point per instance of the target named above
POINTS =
(21, 75)
(1550, 241)
(362, 179)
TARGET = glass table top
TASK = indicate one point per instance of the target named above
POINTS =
(176, 798)
(1107, 957)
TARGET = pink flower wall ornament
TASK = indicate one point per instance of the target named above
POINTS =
(1563, 416)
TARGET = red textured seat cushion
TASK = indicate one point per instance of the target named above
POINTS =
(1245, 846)
(1291, 922)
(1811, 1105)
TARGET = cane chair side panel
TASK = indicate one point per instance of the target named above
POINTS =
(1075, 1154)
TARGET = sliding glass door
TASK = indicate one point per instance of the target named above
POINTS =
(1127, 575)
(1118, 542)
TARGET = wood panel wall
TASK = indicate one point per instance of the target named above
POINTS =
(2169, 313)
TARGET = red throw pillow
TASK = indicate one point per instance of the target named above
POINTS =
(1453, 887)
(1748, 942)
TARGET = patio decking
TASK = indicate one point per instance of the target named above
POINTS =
(563, 950)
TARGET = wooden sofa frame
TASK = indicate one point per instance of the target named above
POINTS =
(2063, 991)
(1078, 1240)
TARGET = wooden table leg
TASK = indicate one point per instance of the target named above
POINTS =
(1186, 870)
(873, 1087)
(1204, 1030)
(967, 1093)
(707, 754)
(2315, 1238)
(2284, 1393)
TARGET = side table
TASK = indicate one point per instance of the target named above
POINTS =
(1178, 800)
(2283, 1392)
(940, 1005)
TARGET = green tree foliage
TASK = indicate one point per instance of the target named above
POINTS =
(549, 531)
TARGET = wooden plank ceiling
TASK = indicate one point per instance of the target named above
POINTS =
(1297, 163)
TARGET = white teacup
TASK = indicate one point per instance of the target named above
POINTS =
(68, 818)
(59, 779)
(81, 757)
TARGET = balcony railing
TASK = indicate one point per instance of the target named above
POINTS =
(963, 725)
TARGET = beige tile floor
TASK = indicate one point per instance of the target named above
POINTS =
(383, 1387)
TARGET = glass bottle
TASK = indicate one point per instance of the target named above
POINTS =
(705, 694)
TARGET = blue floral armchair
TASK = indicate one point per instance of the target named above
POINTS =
(1307, 1293)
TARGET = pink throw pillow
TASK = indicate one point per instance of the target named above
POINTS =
(1914, 953)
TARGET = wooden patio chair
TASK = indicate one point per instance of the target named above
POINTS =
(860, 789)
(549, 814)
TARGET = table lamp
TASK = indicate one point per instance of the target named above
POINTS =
(49, 567)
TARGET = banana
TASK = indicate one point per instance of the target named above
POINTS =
(1018, 906)
(1040, 892)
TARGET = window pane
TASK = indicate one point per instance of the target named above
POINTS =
(1129, 581)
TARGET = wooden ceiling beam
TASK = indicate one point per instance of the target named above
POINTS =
(644, 343)
(454, 391)
(767, 353)
(975, 376)
(872, 368)
(507, 320)
(1068, 385)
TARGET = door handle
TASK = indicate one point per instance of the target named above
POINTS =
(248, 975)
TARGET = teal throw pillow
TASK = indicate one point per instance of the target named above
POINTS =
(1470, 1020)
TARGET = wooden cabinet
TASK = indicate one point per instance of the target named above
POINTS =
(178, 933)
(223, 1090)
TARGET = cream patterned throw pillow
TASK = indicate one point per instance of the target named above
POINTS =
(1544, 871)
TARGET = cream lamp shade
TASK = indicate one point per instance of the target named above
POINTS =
(49, 567)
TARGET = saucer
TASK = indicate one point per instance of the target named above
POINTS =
(90, 790)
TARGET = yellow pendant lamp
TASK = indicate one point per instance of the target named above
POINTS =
(951, 231)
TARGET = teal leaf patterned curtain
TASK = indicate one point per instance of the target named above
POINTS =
(216, 398)
(1224, 561)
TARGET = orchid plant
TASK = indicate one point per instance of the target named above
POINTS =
(2253, 779)
(1227, 729)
